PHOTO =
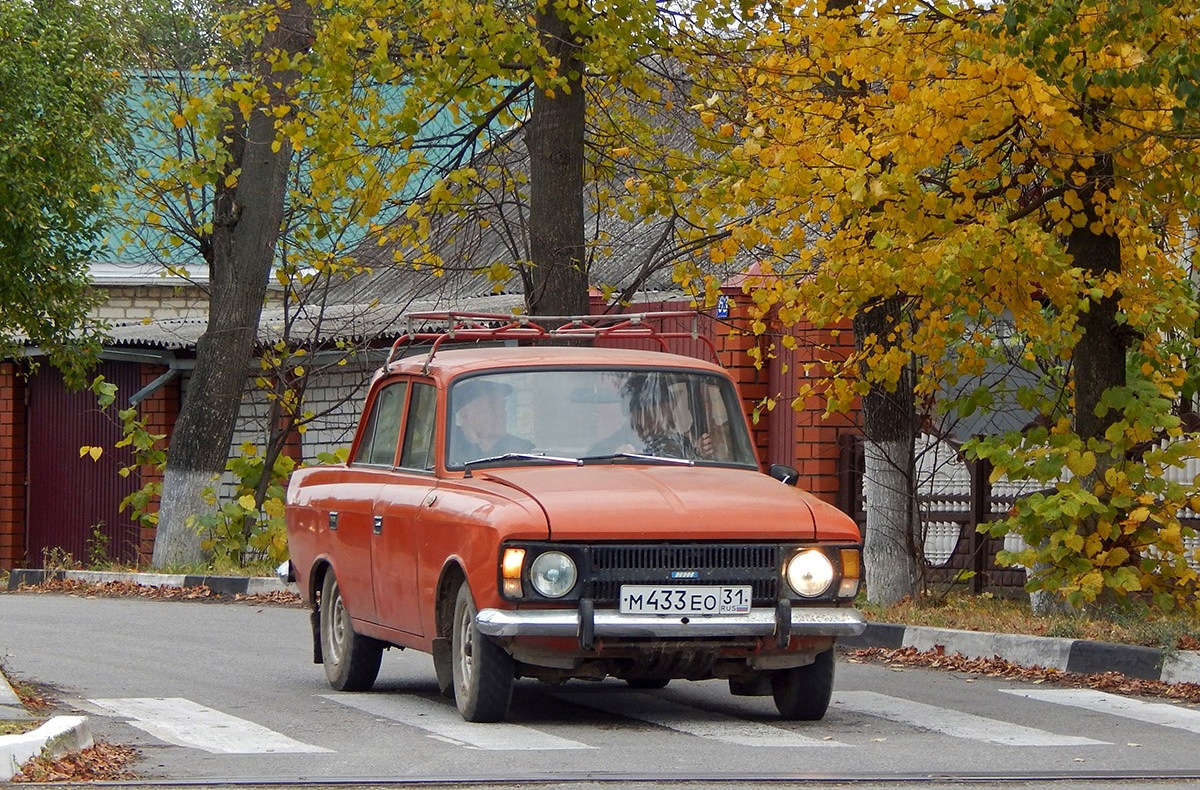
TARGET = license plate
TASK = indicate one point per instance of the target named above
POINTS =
(690, 600)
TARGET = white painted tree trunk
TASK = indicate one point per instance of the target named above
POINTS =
(890, 567)
(178, 544)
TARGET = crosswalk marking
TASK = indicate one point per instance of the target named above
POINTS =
(185, 723)
(689, 720)
(952, 722)
(1112, 704)
(443, 721)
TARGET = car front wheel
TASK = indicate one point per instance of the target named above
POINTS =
(483, 672)
(351, 660)
(803, 693)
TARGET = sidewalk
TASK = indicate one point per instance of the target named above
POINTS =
(65, 733)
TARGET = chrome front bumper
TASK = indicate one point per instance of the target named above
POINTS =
(588, 623)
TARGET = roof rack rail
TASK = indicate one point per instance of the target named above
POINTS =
(467, 326)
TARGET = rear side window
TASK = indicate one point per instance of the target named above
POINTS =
(418, 430)
(382, 431)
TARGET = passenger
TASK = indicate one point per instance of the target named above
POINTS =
(651, 414)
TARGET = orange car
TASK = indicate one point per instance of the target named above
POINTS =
(569, 512)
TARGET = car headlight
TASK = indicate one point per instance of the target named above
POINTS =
(809, 573)
(553, 574)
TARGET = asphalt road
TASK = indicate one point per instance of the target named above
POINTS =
(213, 693)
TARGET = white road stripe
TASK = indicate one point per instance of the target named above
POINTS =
(185, 723)
(442, 720)
(1102, 702)
(689, 720)
(952, 722)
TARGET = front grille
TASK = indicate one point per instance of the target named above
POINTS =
(677, 564)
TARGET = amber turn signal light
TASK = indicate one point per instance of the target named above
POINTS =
(510, 572)
(851, 571)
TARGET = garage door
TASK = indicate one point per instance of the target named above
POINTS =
(74, 502)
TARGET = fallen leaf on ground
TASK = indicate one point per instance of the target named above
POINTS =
(997, 667)
(98, 763)
(129, 589)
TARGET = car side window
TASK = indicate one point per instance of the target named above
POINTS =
(382, 431)
(417, 452)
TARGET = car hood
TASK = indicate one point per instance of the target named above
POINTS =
(633, 502)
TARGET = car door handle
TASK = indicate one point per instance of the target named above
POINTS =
(379, 525)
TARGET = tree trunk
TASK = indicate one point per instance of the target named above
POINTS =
(889, 421)
(558, 282)
(889, 428)
(1098, 360)
(246, 224)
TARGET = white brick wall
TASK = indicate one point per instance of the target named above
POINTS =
(125, 303)
(139, 302)
(341, 393)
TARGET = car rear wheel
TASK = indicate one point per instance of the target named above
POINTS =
(351, 660)
(803, 693)
(483, 672)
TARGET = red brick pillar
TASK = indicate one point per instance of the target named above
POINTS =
(596, 302)
(158, 411)
(818, 438)
(814, 440)
(12, 466)
(293, 443)
(734, 341)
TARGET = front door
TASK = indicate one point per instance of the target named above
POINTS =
(397, 510)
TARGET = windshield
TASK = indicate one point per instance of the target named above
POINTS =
(596, 415)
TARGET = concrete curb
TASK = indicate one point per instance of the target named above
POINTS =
(11, 708)
(57, 737)
(1067, 655)
(221, 585)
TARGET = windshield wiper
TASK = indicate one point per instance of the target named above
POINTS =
(534, 457)
(651, 459)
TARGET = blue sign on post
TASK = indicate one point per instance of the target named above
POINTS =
(723, 306)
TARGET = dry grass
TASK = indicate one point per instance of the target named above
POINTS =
(989, 613)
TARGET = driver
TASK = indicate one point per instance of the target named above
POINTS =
(481, 418)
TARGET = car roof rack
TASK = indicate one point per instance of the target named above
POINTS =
(450, 326)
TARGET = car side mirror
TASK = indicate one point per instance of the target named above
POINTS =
(784, 474)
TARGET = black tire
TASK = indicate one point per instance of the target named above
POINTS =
(483, 672)
(803, 693)
(648, 683)
(351, 660)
